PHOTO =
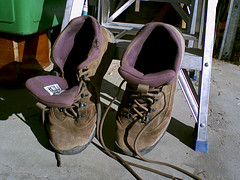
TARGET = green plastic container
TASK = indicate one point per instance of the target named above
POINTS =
(26, 17)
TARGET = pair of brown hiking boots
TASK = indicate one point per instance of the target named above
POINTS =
(82, 52)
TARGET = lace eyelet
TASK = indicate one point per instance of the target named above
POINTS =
(85, 69)
(152, 110)
(83, 95)
(155, 100)
(82, 104)
(127, 115)
(146, 119)
(81, 115)
(84, 84)
(84, 76)
(129, 105)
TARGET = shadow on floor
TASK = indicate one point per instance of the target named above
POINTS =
(181, 131)
(19, 102)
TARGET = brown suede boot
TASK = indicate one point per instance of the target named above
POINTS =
(82, 52)
(150, 66)
(72, 128)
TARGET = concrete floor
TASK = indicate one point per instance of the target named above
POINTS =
(26, 154)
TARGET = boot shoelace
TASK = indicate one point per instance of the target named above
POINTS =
(141, 104)
(125, 163)
(128, 164)
(71, 111)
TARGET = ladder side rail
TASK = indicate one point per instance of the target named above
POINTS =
(201, 141)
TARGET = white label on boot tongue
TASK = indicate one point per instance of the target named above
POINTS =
(53, 89)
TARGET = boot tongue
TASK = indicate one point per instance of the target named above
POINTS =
(143, 88)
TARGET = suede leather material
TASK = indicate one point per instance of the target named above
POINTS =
(152, 59)
(82, 52)
(127, 129)
(67, 132)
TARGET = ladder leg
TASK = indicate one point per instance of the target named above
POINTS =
(189, 93)
(202, 141)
